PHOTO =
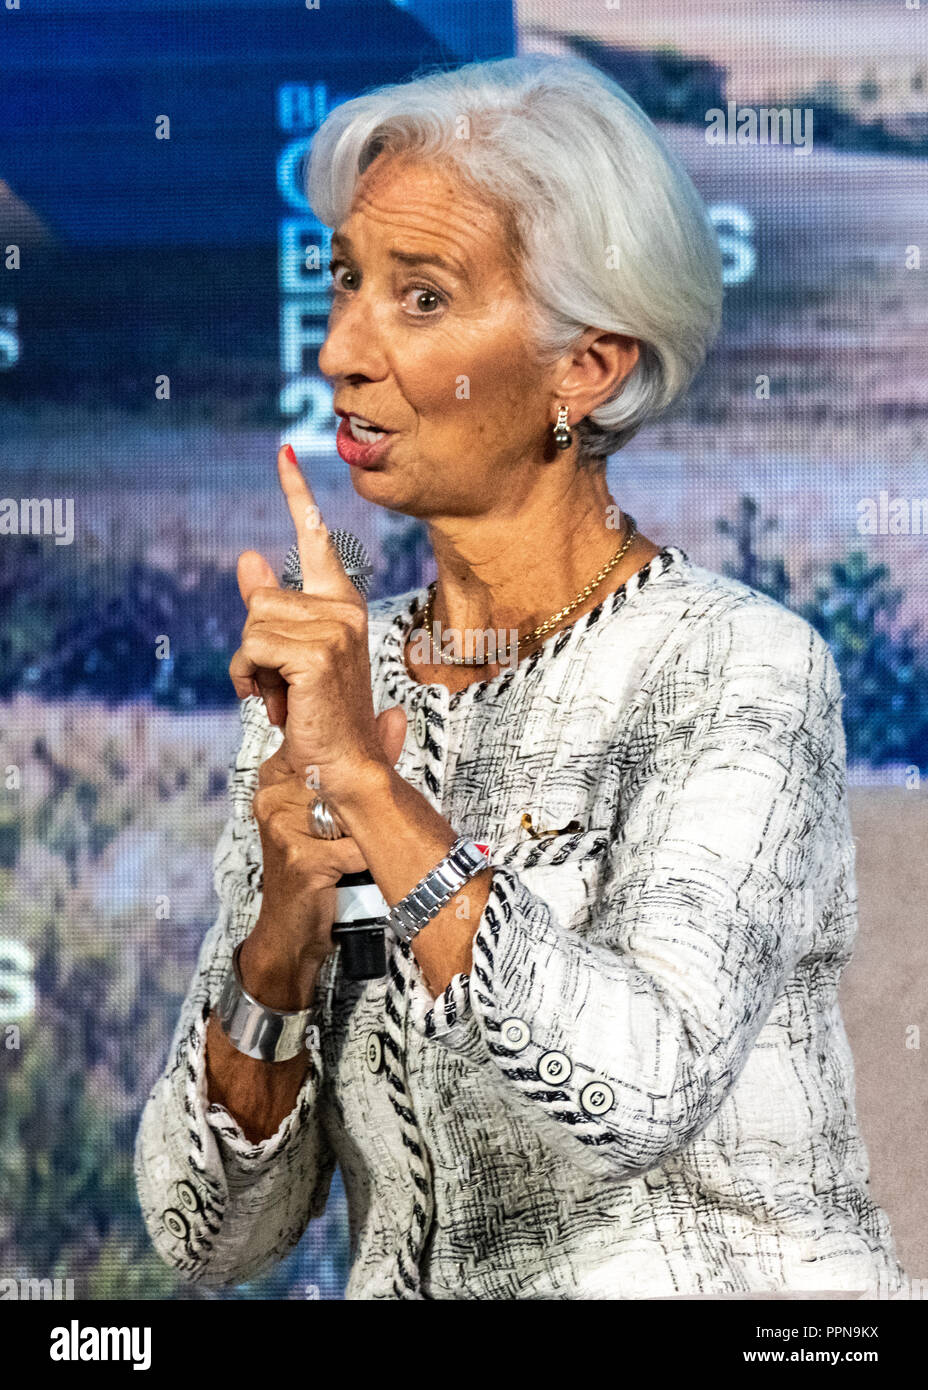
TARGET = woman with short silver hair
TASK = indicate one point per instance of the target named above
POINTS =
(601, 790)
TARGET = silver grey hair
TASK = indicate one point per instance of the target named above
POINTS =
(604, 226)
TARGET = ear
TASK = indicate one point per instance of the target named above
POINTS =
(596, 369)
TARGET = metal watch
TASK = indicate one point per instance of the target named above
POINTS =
(268, 1035)
(412, 913)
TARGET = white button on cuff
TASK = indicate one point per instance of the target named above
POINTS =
(514, 1034)
(596, 1098)
(420, 727)
(555, 1067)
(187, 1195)
(374, 1052)
(175, 1224)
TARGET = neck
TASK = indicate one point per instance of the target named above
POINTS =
(517, 565)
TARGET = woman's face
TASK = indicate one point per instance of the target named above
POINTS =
(440, 356)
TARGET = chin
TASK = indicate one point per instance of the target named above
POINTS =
(377, 485)
(389, 488)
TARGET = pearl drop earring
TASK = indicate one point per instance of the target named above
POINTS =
(563, 435)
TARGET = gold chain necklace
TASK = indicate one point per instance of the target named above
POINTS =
(549, 623)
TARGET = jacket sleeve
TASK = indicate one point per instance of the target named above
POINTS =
(619, 1045)
(218, 1208)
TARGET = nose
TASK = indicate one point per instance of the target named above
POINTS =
(352, 346)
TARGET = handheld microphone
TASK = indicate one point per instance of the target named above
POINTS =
(360, 908)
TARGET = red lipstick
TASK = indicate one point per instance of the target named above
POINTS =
(358, 454)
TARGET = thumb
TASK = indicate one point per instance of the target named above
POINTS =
(254, 572)
(391, 726)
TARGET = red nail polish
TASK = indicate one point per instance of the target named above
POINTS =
(288, 450)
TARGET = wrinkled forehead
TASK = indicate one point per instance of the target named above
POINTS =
(434, 207)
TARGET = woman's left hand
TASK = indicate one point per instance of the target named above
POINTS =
(307, 652)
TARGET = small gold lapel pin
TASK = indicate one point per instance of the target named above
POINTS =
(539, 834)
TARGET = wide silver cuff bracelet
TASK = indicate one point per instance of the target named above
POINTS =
(268, 1035)
(410, 914)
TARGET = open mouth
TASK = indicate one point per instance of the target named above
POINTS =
(362, 442)
(365, 431)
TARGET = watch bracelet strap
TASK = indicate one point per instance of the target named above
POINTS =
(431, 893)
(255, 1029)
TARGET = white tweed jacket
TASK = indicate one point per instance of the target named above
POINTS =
(644, 1086)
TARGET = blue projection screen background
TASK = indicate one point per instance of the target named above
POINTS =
(160, 318)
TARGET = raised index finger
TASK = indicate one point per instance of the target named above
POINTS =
(323, 572)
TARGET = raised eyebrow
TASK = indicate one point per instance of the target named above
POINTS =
(431, 258)
(342, 243)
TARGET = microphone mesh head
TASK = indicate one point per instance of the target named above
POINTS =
(354, 558)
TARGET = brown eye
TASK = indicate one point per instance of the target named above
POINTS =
(334, 267)
(420, 292)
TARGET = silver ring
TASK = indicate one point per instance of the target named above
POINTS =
(322, 823)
